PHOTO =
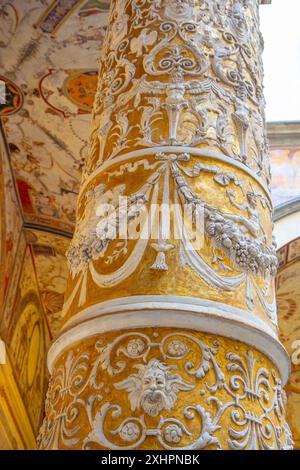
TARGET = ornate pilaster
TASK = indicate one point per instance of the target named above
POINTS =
(170, 333)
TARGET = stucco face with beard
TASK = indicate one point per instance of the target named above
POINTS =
(154, 388)
(154, 396)
(179, 9)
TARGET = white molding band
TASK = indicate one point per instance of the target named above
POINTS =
(167, 303)
(287, 229)
(175, 312)
(200, 152)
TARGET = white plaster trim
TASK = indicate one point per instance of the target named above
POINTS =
(166, 303)
(287, 229)
(176, 312)
(191, 150)
(2, 353)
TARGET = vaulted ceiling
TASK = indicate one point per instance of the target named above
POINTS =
(48, 60)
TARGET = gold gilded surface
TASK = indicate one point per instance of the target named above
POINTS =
(178, 279)
(164, 388)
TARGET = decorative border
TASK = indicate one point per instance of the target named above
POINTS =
(17, 91)
(202, 152)
(284, 253)
(59, 14)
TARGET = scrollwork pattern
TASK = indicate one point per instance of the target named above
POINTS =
(196, 64)
(174, 390)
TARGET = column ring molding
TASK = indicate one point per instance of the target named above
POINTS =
(197, 152)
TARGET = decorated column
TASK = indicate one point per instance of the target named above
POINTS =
(170, 331)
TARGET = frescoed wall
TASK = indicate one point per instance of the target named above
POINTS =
(27, 342)
(10, 224)
(48, 253)
(288, 300)
(30, 320)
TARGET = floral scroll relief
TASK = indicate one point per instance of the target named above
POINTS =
(70, 380)
(214, 74)
(169, 432)
(155, 388)
(246, 394)
(251, 430)
(170, 347)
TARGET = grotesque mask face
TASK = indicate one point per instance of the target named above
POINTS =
(153, 388)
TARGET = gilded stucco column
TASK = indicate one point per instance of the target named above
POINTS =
(170, 336)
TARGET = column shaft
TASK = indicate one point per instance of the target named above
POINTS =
(170, 330)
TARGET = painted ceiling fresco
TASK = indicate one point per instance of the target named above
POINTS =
(48, 60)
